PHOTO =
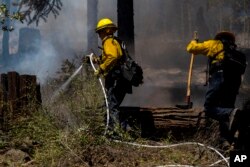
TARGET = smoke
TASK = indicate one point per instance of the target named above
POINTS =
(41, 64)
(61, 38)
(162, 31)
(161, 37)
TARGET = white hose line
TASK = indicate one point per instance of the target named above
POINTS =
(64, 86)
(104, 92)
(151, 146)
(177, 165)
(174, 145)
(219, 161)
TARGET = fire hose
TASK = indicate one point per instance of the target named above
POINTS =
(136, 144)
(103, 90)
(150, 146)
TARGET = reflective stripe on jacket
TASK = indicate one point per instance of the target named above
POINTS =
(209, 48)
(111, 53)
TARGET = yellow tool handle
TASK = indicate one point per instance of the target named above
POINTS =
(190, 71)
(190, 75)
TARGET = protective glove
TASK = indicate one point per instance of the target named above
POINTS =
(96, 59)
(98, 72)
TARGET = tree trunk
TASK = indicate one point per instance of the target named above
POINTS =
(91, 23)
(5, 44)
(126, 24)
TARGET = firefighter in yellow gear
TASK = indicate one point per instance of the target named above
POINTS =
(208, 48)
(109, 66)
(111, 51)
(222, 91)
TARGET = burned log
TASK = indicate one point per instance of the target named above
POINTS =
(160, 122)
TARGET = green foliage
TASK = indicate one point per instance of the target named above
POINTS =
(80, 105)
(30, 11)
(5, 16)
(36, 9)
(69, 132)
(3, 144)
(38, 136)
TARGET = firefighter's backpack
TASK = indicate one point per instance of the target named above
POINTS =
(130, 69)
(234, 62)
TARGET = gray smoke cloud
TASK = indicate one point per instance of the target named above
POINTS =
(61, 38)
(41, 64)
(161, 37)
(163, 28)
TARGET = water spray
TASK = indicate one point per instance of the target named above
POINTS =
(151, 146)
(64, 86)
(104, 91)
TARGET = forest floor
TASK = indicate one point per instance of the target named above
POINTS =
(67, 131)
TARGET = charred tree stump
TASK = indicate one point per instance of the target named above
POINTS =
(3, 99)
(27, 90)
(159, 122)
(18, 94)
(13, 94)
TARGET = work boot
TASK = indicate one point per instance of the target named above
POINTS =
(125, 126)
(225, 146)
(235, 118)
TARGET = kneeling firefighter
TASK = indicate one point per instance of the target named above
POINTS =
(110, 68)
(224, 83)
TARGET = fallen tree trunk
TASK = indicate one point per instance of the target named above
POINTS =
(158, 121)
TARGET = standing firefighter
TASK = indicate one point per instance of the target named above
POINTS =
(110, 68)
(224, 83)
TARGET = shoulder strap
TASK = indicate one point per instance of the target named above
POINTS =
(122, 43)
(123, 47)
(107, 37)
(215, 55)
(228, 45)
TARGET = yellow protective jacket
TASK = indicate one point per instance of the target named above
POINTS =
(111, 53)
(211, 48)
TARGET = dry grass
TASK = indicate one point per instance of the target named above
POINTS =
(69, 132)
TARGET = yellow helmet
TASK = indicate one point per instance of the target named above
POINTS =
(105, 23)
